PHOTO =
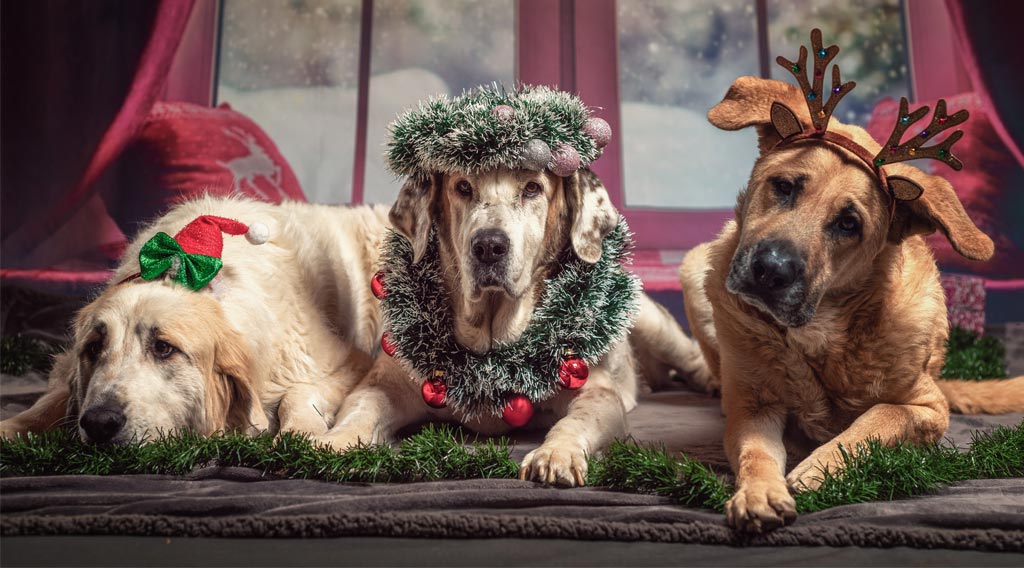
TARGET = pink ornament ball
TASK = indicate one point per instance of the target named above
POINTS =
(503, 113)
(565, 160)
(598, 130)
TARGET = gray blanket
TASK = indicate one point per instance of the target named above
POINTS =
(980, 515)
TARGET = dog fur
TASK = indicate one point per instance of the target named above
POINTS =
(854, 347)
(540, 216)
(274, 343)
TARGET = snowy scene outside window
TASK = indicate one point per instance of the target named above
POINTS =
(677, 58)
(292, 66)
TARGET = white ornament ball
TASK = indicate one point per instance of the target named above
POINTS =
(565, 160)
(258, 233)
(536, 155)
(598, 130)
(503, 113)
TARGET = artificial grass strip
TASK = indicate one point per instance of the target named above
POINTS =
(437, 452)
(628, 466)
(872, 473)
(971, 357)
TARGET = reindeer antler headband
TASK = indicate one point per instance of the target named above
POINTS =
(896, 188)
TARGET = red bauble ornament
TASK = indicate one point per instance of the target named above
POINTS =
(434, 390)
(518, 411)
(387, 345)
(377, 285)
(573, 372)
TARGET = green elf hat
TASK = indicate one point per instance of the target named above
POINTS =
(192, 257)
(535, 128)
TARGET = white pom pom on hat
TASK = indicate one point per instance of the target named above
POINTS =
(258, 233)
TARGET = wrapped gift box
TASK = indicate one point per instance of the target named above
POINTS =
(965, 301)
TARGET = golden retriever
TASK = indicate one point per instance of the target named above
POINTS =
(274, 342)
(501, 234)
(812, 308)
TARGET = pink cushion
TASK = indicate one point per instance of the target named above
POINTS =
(184, 150)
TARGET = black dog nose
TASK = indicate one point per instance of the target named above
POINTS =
(490, 245)
(102, 423)
(775, 266)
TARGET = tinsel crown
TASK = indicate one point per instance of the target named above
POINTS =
(490, 127)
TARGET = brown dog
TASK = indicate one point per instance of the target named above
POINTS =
(813, 307)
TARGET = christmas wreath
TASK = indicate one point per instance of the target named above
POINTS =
(491, 127)
(584, 310)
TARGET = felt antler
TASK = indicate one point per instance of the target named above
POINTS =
(914, 148)
(906, 189)
(783, 118)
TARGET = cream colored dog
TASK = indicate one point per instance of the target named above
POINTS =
(275, 342)
(500, 235)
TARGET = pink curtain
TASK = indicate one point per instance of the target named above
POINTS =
(986, 37)
(71, 77)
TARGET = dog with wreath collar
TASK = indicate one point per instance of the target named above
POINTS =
(503, 288)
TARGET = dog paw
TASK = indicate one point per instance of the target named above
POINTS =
(808, 474)
(760, 508)
(564, 467)
(341, 441)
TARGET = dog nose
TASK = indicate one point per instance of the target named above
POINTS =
(775, 266)
(490, 245)
(102, 423)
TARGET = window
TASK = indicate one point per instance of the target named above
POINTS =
(293, 66)
(677, 58)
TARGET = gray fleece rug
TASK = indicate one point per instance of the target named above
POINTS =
(238, 502)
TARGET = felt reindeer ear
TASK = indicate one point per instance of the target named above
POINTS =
(935, 207)
(785, 121)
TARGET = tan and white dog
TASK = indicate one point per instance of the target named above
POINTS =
(500, 234)
(275, 342)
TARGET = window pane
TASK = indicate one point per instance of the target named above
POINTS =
(292, 66)
(870, 37)
(423, 48)
(677, 59)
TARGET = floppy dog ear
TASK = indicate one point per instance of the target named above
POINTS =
(938, 207)
(772, 106)
(410, 215)
(593, 214)
(231, 401)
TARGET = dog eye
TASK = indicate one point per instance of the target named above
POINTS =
(163, 350)
(783, 187)
(93, 349)
(848, 224)
(532, 189)
(464, 188)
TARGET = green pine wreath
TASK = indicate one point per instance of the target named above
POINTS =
(469, 134)
(584, 308)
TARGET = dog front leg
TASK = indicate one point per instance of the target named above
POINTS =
(305, 409)
(754, 445)
(593, 419)
(48, 411)
(889, 423)
(380, 405)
